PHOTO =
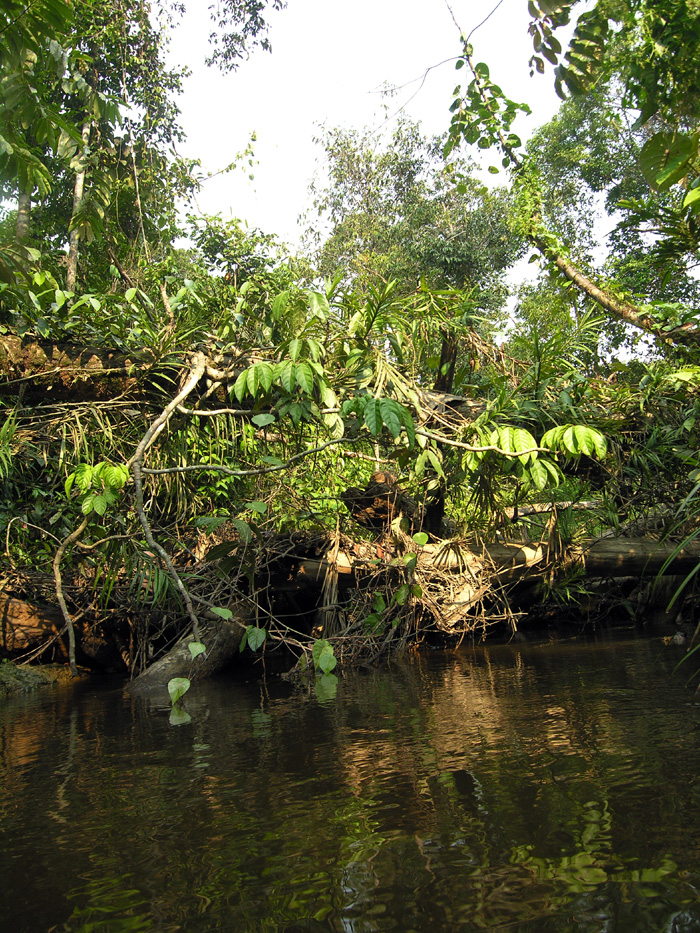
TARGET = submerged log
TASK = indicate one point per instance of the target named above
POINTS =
(222, 641)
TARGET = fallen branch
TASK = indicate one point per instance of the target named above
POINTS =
(197, 370)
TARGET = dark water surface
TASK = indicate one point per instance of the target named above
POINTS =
(542, 788)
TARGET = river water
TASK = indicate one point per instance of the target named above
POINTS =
(517, 787)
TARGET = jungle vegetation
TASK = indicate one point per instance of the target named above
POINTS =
(348, 451)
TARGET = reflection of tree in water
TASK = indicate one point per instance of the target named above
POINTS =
(500, 786)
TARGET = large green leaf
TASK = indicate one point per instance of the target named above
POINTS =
(240, 386)
(667, 157)
(523, 440)
(373, 416)
(255, 637)
(286, 374)
(305, 377)
(391, 416)
(265, 375)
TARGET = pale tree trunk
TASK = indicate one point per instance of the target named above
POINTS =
(74, 239)
(24, 207)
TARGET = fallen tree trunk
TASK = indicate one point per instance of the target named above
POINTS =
(222, 641)
(613, 557)
(66, 371)
(24, 626)
(28, 630)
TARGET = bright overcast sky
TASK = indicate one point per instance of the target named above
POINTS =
(328, 64)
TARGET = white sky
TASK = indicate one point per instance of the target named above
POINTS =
(328, 63)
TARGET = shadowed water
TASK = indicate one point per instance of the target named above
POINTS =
(542, 788)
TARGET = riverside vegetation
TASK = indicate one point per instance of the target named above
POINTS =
(332, 456)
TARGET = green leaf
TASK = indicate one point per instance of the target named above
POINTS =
(265, 375)
(244, 530)
(256, 637)
(295, 348)
(262, 421)
(692, 198)
(279, 305)
(222, 612)
(257, 506)
(575, 440)
(177, 688)
(410, 561)
(240, 385)
(401, 595)
(318, 303)
(323, 656)
(538, 475)
(391, 416)
(305, 377)
(373, 416)
(253, 380)
(286, 375)
(435, 461)
(196, 648)
(421, 538)
(523, 440)
(666, 158)
(99, 504)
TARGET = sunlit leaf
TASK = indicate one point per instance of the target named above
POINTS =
(305, 377)
(177, 688)
(196, 648)
(323, 655)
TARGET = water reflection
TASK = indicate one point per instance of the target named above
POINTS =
(528, 788)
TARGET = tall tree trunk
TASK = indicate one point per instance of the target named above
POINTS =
(24, 207)
(74, 239)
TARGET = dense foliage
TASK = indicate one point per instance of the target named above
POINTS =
(238, 396)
